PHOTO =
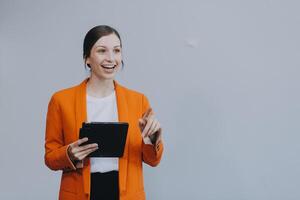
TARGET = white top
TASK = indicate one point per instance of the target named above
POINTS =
(103, 110)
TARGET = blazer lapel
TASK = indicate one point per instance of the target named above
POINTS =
(123, 117)
(80, 106)
(81, 116)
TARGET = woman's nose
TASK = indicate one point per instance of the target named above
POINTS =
(110, 56)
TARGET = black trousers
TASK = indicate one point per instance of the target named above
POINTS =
(105, 186)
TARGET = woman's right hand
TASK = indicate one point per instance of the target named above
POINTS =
(78, 153)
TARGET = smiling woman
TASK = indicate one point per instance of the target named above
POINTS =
(104, 56)
(100, 98)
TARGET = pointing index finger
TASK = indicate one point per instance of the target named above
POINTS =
(147, 113)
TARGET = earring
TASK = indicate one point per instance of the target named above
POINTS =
(122, 64)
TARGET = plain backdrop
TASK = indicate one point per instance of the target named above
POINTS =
(222, 77)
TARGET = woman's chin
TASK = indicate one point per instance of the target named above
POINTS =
(102, 73)
(106, 76)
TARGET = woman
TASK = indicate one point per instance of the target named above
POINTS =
(101, 98)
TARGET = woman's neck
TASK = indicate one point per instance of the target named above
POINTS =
(99, 88)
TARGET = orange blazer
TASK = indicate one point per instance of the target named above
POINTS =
(66, 112)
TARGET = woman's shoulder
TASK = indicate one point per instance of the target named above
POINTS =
(65, 93)
(135, 98)
(131, 92)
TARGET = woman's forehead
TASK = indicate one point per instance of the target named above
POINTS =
(108, 41)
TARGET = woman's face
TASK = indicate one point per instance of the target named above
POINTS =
(105, 57)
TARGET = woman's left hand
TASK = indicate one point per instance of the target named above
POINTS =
(150, 127)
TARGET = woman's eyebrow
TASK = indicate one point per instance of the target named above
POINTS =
(106, 47)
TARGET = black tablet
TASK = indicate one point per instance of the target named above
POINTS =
(110, 137)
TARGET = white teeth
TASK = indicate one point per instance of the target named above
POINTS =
(108, 66)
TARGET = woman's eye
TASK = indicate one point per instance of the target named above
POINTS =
(117, 50)
(101, 50)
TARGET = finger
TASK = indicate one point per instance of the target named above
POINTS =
(142, 123)
(146, 114)
(148, 125)
(87, 146)
(158, 139)
(152, 128)
(155, 128)
(84, 154)
(79, 142)
(151, 113)
(79, 155)
(77, 149)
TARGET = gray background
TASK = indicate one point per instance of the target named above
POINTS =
(222, 76)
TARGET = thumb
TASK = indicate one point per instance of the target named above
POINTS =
(141, 123)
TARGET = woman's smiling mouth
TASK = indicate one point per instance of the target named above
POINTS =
(108, 66)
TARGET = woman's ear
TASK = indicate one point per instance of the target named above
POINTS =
(87, 61)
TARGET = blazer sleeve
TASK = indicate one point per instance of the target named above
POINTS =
(56, 156)
(151, 153)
